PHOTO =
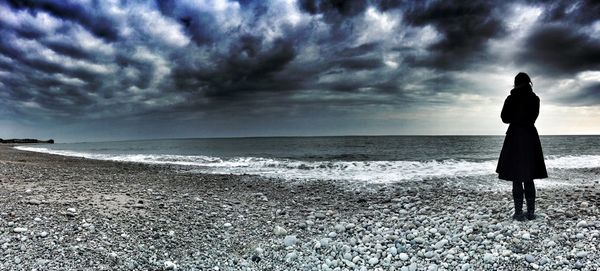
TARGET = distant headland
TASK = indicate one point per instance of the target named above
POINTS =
(25, 141)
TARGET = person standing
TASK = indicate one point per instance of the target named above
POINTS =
(521, 159)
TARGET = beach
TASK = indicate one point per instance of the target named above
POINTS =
(66, 213)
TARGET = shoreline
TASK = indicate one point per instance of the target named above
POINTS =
(64, 213)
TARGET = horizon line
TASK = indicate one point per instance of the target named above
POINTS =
(310, 136)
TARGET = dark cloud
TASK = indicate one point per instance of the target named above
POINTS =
(158, 60)
(249, 65)
(26, 30)
(88, 16)
(360, 50)
(359, 63)
(68, 48)
(578, 12)
(465, 29)
(585, 96)
(558, 49)
(199, 24)
(334, 8)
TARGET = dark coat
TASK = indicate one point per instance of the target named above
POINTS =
(521, 157)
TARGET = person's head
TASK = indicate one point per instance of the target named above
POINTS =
(522, 79)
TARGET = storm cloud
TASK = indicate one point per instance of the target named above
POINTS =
(226, 64)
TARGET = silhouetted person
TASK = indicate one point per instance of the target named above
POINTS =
(521, 159)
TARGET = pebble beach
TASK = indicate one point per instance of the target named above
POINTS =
(66, 213)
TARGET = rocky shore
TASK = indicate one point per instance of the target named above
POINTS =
(25, 141)
(61, 213)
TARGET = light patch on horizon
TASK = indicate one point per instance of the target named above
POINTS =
(568, 120)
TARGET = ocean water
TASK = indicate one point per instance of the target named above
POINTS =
(355, 158)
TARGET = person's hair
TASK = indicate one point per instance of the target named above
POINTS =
(522, 78)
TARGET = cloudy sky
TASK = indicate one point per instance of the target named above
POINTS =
(101, 70)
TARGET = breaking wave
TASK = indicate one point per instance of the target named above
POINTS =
(290, 169)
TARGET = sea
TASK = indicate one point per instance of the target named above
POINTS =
(352, 158)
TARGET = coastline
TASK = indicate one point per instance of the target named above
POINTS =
(73, 213)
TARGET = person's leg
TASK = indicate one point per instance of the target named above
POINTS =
(530, 196)
(517, 192)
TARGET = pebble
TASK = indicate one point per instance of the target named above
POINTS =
(440, 244)
(349, 263)
(169, 265)
(19, 230)
(347, 256)
(290, 240)
(324, 242)
(291, 256)
(113, 256)
(339, 228)
(488, 257)
(581, 254)
(529, 258)
(582, 224)
(279, 231)
(419, 240)
(403, 256)
(227, 225)
(373, 261)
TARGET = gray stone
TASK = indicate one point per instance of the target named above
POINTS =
(488, 257)
(530, 258)
(290, 240)
(403, 256)
(19, 230)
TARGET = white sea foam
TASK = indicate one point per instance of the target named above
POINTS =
(373, 171)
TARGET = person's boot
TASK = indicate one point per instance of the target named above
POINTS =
(530, 209)
(518, 215)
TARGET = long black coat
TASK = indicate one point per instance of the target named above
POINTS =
(521, 157)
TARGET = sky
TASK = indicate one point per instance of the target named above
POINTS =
(107, 70)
